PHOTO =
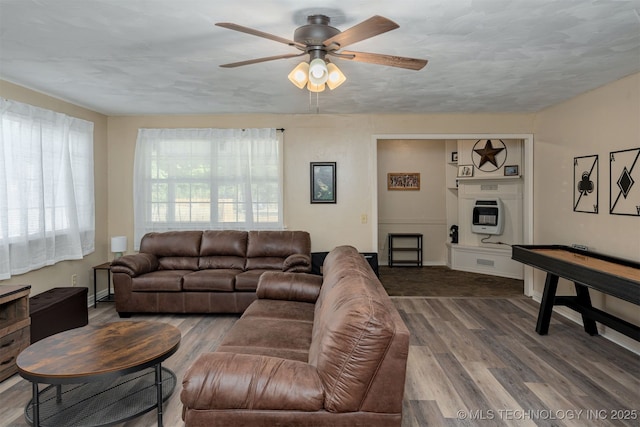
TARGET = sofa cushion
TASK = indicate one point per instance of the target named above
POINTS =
(178, 263)
(281, 309)
(281, 353)
(258, 384)
(257, 335)
(248, 280)
(211, 262)
(224, 243)
(210, 280)
(223, 249)
(264, 263)
(278, 285)
(297, 263)
(172, 243)
(159, 281)
(352, 330)
(278, 244)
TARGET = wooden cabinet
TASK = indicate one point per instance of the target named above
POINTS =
(14, 327)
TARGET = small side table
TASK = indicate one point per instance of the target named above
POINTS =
(109, 297)
(415, 250)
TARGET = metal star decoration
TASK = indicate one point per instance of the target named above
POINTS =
(488, 154)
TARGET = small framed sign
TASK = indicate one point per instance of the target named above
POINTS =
(403, 181)
(511, 170)
(465, 171)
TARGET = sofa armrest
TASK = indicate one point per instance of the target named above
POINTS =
(297, 263)
(135, 265)
(289, 286)
(247, 381)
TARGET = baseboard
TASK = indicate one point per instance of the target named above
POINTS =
(424, 264)
(608, 333)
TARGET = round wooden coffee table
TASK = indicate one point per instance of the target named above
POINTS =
(99, 375)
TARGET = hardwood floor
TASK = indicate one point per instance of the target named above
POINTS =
(472, 361)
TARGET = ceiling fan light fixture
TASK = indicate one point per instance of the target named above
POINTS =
(299, 75)
(336, 77)
(314, 87)
(318, 73)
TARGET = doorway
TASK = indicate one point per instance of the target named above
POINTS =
(527, 175)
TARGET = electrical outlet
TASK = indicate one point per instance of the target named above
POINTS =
(74, 280)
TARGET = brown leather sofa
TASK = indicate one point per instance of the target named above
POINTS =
(310, 351)
(212, 271)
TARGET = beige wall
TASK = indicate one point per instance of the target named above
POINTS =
(598, 122)
(60, 273)
(422, 211)
(345, 139)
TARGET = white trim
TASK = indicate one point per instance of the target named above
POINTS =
(527, 176)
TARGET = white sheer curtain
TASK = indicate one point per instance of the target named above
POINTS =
(192, 179)
(47, 209)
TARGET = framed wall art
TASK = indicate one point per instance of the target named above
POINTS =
(465, 171)
(403, 181)
(512, 170)
(624, 182)
(323, 182)
(585, 184)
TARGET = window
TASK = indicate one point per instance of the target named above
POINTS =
(189, 179)
(47, 211)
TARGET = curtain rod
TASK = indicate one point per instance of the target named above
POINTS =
(280, 129)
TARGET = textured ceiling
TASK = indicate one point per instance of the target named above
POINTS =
(162, 56)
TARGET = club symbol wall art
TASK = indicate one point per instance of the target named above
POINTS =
(585, 184)
(624, 174)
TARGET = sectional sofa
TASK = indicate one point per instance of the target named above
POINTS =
(212, 271)
(310, 351)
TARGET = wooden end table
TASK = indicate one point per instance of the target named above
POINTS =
(97, 373)
(109, 297)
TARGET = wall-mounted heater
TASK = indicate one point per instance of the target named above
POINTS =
(488, 216)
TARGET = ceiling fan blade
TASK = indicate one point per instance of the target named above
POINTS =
(380, 59)
(258, 60)
(258, 33)
(364, 30)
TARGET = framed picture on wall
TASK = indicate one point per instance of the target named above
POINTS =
(465, 171)
(323, 182)
(511, 170)
(403, 181)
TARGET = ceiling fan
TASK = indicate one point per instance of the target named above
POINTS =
(318, 39)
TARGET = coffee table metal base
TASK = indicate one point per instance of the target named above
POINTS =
(101, 403)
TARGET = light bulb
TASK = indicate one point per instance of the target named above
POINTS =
(318, 73)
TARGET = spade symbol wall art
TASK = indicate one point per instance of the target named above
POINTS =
(585, 184)
(624, 177)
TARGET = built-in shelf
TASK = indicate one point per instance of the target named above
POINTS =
(494, 260)
(489, 178)
(472, 253)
